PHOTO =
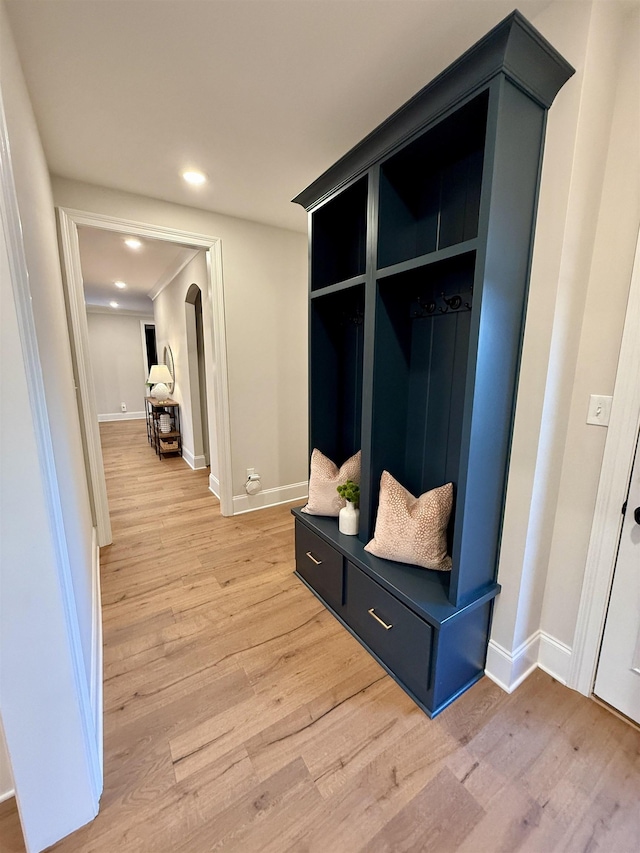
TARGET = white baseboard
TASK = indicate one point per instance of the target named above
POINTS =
(270, 497)
(96, 649)
(554, 657)
(121, 416)
(195, 462)
(214, 485)
(509, 669)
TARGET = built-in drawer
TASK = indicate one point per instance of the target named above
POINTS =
(320, 565)
(401, 639)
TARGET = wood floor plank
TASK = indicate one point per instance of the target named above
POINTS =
(258, 819)
(240, 716)
(437, 819)
(11, 840)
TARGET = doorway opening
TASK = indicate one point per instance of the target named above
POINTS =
(150, 345)
(214, 350)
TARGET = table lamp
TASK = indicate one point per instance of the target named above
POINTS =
(159, 375)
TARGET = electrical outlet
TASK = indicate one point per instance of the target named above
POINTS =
(123, 407)
(599, 409)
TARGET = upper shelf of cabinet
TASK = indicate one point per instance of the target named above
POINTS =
(339, 237)
(514, 48)
(430, 190)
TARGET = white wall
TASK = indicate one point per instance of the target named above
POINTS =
(46, 538)
(265, 285)
(40, 239)
(579, 281)
(171, 329)
(604, 300)
(117, 363)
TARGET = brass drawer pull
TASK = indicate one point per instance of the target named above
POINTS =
(378, 619)
(313, 559)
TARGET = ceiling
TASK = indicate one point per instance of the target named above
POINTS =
(105, 259)
(261, 95)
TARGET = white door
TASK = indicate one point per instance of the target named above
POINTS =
(618, 676)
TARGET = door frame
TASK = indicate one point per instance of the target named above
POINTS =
(69, 220)
(613, 488)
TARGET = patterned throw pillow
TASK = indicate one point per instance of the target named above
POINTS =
(324, 479)
(412, 530)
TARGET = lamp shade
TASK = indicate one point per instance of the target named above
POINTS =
(160, 377)
(159, 373)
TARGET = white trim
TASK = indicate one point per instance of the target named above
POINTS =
(509, 669)
(96, 647)
(215, 293)
(6, 795)
(615, 474)
(195, 462)
(69, 220)
(214, 485)
(554, 657)
(121, 416)
(79, 334)
(270, 497)
(11, 223)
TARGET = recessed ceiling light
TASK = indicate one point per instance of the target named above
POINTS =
(113, 304)
(133, 242)
(195, 178)
(120, 284)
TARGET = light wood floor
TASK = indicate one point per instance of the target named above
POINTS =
(240, 716)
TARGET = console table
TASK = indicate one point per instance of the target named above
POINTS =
(163, 442)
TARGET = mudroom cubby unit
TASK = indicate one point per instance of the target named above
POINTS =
(421, 240)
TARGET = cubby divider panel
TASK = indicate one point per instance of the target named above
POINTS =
(430, 190)
(339, 237)
(337, 340)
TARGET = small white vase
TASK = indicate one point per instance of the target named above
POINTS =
(348, 520)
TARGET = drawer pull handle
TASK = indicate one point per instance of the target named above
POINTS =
(313, 559)
(386, 627)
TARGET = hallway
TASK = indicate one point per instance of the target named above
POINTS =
(239, 715)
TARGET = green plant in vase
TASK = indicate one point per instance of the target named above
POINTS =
(349, 516)
(350, 491)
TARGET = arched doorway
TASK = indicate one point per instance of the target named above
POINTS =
(197, 374)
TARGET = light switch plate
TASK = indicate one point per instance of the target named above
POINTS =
(599, 409)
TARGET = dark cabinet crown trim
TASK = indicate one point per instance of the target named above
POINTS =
(513, 47)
